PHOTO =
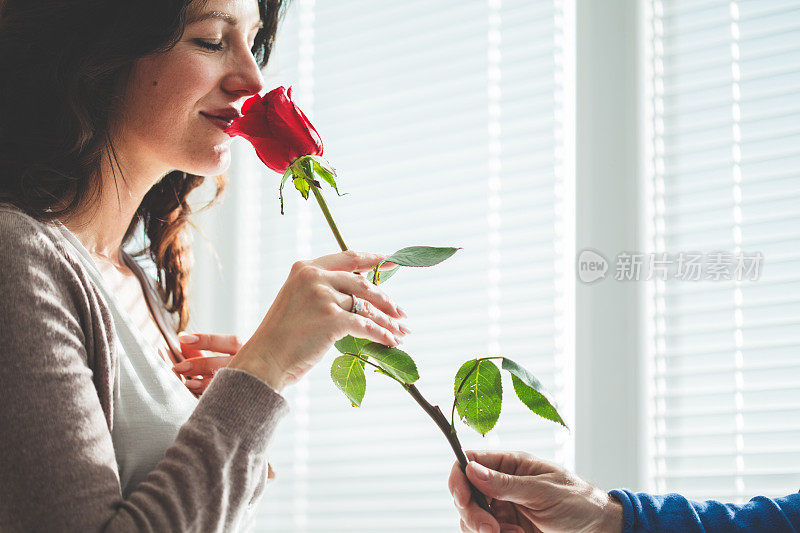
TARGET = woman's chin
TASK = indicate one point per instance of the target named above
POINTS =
(212, 164)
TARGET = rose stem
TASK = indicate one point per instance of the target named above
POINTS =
(328, 217)
(450, 433)
(438, 417)
(433, 411)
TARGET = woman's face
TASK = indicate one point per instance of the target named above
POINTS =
(164, 126)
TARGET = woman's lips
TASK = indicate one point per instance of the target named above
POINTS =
(219, 122)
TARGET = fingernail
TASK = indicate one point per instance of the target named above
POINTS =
(188, 338)
(401, 312)
(404, 329)
(485, 528)
(481, 472)
(397, 340)
(193, 384)
(183, 366)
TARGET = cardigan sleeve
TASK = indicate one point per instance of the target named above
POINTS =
(58, 471)
(673, 512)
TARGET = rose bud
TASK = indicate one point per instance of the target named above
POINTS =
(278, 130)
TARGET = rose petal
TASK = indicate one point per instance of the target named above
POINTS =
(249, 103)
(251, 125)
(292, 126)
(274, 153)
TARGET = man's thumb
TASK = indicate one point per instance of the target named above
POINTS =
(496, 484)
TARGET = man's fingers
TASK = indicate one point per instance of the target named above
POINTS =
(490, 459)
(510, 528)
(459, 486)
(501, 486)
(518, 463)
(472, 516)
(504, 512)
(477, 519)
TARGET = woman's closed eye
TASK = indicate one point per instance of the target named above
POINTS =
(216, 46)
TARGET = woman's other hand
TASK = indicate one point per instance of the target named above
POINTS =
(312, 311)
(528, 495)
(198, 374)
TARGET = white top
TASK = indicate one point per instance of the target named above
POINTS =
(151, 402)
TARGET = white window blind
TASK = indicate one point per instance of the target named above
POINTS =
(725, 168)
(445, 121)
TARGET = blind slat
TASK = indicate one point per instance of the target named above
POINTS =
(726, 152)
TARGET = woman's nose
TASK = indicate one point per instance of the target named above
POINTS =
(245, 75)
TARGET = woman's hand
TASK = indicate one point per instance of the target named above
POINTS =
(312, 311)
(198, 374)
(528, 495)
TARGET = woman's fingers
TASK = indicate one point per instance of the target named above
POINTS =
(349, 283)
(309, 297)
(371, 312)
(366, 328)
(192, 345)
(202, 366)
(214, 342)
(198, 385)
(350, 261)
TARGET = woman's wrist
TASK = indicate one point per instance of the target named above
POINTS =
(262, 368)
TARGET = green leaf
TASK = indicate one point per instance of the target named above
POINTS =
(383, 275)
(531, 392)
(395, 362)
(350, 344)
(421, 256)
(347, 373)
(479, 394)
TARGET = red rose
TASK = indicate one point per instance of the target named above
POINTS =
(278, 130)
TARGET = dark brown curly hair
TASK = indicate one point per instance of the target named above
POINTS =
(62, 65)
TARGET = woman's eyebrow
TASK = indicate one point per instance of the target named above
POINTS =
(227, 17)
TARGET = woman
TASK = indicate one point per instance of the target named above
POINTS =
(107, 121)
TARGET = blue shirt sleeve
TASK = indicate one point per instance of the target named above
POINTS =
(673, 512)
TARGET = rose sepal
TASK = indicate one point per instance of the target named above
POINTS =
(303, 171)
